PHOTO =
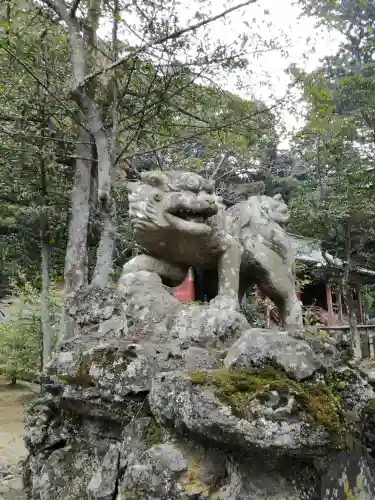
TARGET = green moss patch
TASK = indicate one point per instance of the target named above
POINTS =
(236, 388)
(153, 432)
(340, 381)
(317, 332)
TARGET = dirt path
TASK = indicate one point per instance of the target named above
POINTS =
(13, 400)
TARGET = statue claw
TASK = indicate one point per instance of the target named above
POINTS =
(225, 302)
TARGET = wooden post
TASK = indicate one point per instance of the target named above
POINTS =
(268, 314)
(298, 292)
(339, 306)
(329, 306)
(359, 304)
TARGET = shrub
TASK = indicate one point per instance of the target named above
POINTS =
(21, 333)
(20, 348)
(253, 314)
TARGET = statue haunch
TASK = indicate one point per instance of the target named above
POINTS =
(181, 223)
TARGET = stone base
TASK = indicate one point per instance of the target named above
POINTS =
(152, 399)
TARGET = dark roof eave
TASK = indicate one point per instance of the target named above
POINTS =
(363, 273)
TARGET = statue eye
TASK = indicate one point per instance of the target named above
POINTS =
(192, 183)
(158, 197)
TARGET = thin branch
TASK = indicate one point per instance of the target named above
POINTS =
(52, 5)
(165, 97)
(218, 166)
(201, 133)
(165, 38)
(190, 115)
(142, 118)
(45, 87)
(74, 7)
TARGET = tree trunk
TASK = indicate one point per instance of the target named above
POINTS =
(355, 339)
(75, 273)
(45, 301)
(83, 50)
(104, 256)
(46, 340)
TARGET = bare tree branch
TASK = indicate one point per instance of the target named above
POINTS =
(165, 38)
(74, 7)
(218, 166)
(202, 132)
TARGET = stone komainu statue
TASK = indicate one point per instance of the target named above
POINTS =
(181, 223)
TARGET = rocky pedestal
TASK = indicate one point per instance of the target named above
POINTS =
(152, 399)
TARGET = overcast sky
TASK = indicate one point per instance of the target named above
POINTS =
(265, 20)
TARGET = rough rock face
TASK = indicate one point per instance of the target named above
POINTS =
(257, 347)
(152, 399)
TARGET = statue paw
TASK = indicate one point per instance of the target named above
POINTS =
(225, 302)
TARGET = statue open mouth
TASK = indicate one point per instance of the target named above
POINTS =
(194, 221)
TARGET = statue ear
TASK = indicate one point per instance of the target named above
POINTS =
(277, 196)
(156, 178)
(131, 186)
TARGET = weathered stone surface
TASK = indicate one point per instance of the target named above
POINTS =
(181, 223)
(350, 475)
(257, 347)
(355, 392)
(137, 405)
(154, 314)
(103, 483)
(254, 478)
(324, 347)
(64, 473)
(367, 370)
(92, 304)
(176, 401)
(155, 475)
(368, 430)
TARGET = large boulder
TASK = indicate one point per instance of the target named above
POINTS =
(253, 411)
(257, 347)
(151, 399)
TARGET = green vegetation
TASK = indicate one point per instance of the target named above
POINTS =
(254, 312)
(237, 388)
(19, 349)
(21, 333)
(154, 432)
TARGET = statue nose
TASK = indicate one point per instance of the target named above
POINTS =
(206, 198)
(207, 202)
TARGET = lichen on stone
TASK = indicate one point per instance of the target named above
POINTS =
(237, 388)
(193, 485)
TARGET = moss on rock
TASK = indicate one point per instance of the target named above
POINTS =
(238, 387)
(153, 432)
(105, 360)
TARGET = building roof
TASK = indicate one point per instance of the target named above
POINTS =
(309, 250)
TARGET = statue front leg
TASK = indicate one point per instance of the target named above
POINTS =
(292, 317)
(229, 277)
(170, 274)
